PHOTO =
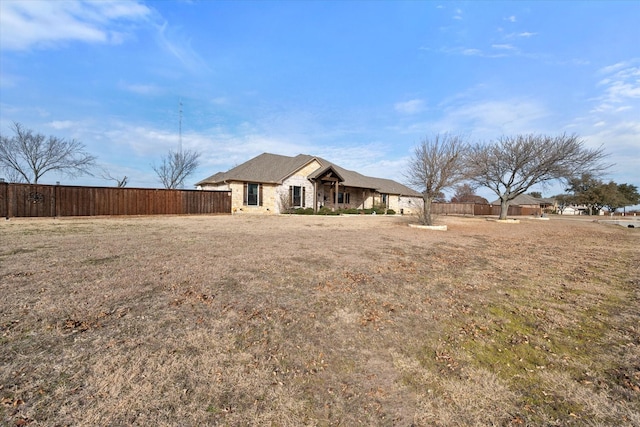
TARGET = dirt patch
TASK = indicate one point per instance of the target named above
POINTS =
(306, 320)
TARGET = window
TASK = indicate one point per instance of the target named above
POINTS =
(252, 194)
(343, 197)
(296, 196)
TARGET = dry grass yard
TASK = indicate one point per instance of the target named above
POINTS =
(318, 321)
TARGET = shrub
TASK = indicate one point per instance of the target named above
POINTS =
(350, 211)
(304, 211)
(326, 211)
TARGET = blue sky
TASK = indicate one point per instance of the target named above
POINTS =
(358, 83)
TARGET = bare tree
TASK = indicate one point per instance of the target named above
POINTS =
(437, 164)
(512, 164)
(465, 193)
(27, 156)
(176, 167)
(11, 175)
(285, 202)
(120, 182)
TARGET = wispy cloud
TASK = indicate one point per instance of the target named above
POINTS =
(490, 118)
(62, 124)
(28, 24)
(409, 107)
(173, 42)
(621, 87)
(503, 46)
(141, 89)
(470, 51)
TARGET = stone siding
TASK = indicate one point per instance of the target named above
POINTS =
(409, 205)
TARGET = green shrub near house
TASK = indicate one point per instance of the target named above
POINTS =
(304, 211)
(349, 211)
(327, 211)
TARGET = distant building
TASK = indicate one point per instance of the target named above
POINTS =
(528, 201)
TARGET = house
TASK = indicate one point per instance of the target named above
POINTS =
(271, 183)
(528, 201)
(578, 210)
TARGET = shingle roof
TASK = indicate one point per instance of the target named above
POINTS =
(274, 168)
(265, 168)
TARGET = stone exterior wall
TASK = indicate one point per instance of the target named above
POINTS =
(298, 179)
(237, 199)
(408, 205)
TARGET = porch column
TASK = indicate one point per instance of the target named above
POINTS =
(315, 196)
(337, 189)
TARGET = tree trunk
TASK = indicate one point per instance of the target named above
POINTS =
(504, 208)
(427, 220)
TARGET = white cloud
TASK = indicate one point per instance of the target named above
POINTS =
(621, 85)
(471, 52)
(511, 19)
(409, 107)
(27, 24)
(613, 121)
(62, 124)
(141, 89)
(492, 118)
(621, 140)
(503, 46)
(221, 100)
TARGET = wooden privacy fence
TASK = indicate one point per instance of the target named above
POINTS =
(481, 209)
(453, 208)
(35, 200)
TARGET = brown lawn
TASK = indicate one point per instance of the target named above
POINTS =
(308, 320)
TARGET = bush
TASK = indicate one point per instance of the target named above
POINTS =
(326, 211)
(304, 211)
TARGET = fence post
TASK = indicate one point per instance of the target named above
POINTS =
(55, 199)
(4, 198)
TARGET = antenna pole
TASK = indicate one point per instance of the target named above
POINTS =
(180, 127)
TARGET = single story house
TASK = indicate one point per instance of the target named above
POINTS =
(578, 210)
(272, 183)
(528, 201)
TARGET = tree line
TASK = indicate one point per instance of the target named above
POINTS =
(511, 165)
(594, 194)
(26, 156)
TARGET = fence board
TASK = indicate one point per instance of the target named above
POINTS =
(35, 200)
